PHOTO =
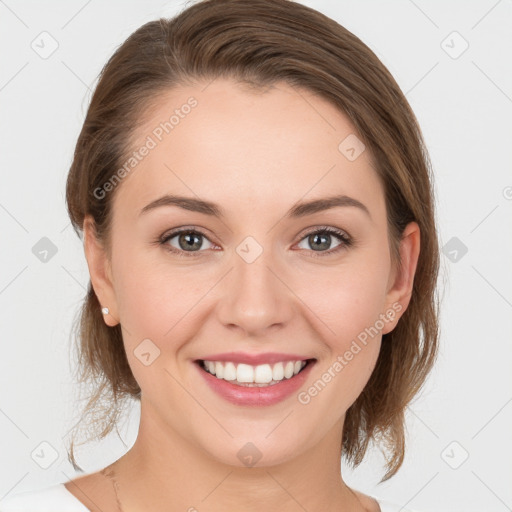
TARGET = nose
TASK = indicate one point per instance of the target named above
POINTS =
(255, 296)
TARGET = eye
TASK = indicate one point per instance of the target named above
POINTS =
(186, 239)
(322, 238)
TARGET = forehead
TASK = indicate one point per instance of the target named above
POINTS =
(247, 148)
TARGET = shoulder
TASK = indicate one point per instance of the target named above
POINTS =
(373, 503)
(55, 498)
(386, 506)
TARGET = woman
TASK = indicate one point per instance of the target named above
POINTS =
(257, 214)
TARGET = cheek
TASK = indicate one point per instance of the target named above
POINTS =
(350, 304)
(148, 294)
(350, 297)
(153, 300)
(159, 298)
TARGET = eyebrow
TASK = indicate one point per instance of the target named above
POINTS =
(297, 211)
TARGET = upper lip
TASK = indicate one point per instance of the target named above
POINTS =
(254, 359)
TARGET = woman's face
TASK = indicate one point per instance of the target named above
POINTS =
(255, 279)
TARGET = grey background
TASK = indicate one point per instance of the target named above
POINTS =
(463, 100)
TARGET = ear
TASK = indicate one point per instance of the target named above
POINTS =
(402, 278)
(100, 271)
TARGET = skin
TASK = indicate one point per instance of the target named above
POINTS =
(241, 148)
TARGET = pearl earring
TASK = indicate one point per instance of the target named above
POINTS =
(104, 311)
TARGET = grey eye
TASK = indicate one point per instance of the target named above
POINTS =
(318, 241)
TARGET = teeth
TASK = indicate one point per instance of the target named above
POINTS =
(261, 375)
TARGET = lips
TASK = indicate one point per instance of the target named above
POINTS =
(256, 396)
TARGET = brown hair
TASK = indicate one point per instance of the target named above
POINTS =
(260, 42)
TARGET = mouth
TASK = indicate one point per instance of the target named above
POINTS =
(261, 376)
(262, 385)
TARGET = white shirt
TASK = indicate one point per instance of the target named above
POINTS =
(57, 498)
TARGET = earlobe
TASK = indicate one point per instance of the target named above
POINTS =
(399, 294)
(99, 271)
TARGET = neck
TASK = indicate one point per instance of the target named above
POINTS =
(165, 471)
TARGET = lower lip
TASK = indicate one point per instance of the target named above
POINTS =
(255, 396)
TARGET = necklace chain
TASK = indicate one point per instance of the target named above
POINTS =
(109, 473)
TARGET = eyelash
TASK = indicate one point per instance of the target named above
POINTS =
(340, 235)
